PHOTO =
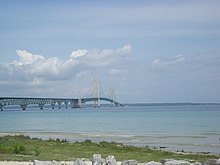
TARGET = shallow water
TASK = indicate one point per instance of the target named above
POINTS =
(190, 128)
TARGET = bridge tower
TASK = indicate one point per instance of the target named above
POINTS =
(112, 95)
(96, 91)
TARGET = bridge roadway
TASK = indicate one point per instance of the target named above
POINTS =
(75, 103)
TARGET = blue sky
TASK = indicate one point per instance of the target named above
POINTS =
(149, 51)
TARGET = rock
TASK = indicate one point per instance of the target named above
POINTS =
(97, 160)
(163, 161)
(153, 163)
(65, 163)
(177, 162)
(79, 162)
(210, 162)
(97, 157)
(218, 161)
(110, 160)
(196, 163)
(129, 162)
(38, 162)
(56, 163)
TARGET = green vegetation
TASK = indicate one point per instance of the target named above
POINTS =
(21, 148)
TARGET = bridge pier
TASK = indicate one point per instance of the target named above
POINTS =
(41, 105)
(97, 104)
(77, 104)
(23, 106)
(59, 104)
(72, 104)
(112, 104)
(66, 104)
(53, 105)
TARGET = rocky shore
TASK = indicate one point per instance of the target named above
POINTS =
(110, 160)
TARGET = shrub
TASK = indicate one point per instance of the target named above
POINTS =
(105, 144)
(36, 151)
(2, 148)
(64, 141)
(19, 148)
(23, 137)
(88, 141)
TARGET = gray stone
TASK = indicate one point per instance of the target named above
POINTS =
(218, 161)
(129, 162)
(38, 162)
(97, 160)
(163, 161)
(177, 162)
(210, 162)
(153, 163)
(196, 163)
(56, 163)
(79, 162)
(110, 160)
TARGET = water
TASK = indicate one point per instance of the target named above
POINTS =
(190, 128)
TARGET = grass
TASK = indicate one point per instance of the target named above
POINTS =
(22, 148)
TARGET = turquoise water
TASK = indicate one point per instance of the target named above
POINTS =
(191, 128)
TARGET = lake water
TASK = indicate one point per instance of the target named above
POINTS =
(190, 128)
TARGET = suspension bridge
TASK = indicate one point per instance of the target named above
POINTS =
(95, 94)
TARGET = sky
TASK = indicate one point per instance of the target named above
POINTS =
(148, 51)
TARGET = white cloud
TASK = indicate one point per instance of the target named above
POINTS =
(101, 58)
(124, 50)
(164, 62)
(37, 75)
(78, 53)
(27, 58)
(46, 67)
(187, 64)
(38, 65)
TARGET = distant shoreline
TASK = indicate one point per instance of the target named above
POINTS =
(11, 107)
(168, 104)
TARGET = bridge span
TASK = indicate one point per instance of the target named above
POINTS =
(95, 94)
(74, 103)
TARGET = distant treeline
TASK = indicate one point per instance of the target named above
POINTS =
(168, 104)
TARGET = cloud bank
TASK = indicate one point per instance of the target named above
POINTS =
(169, 61)
(36, 71)
(136, 80)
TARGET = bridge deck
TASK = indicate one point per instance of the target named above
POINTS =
(74, 102)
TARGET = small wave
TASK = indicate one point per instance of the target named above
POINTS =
(106, 135)
(215, 145)
(135, 140)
